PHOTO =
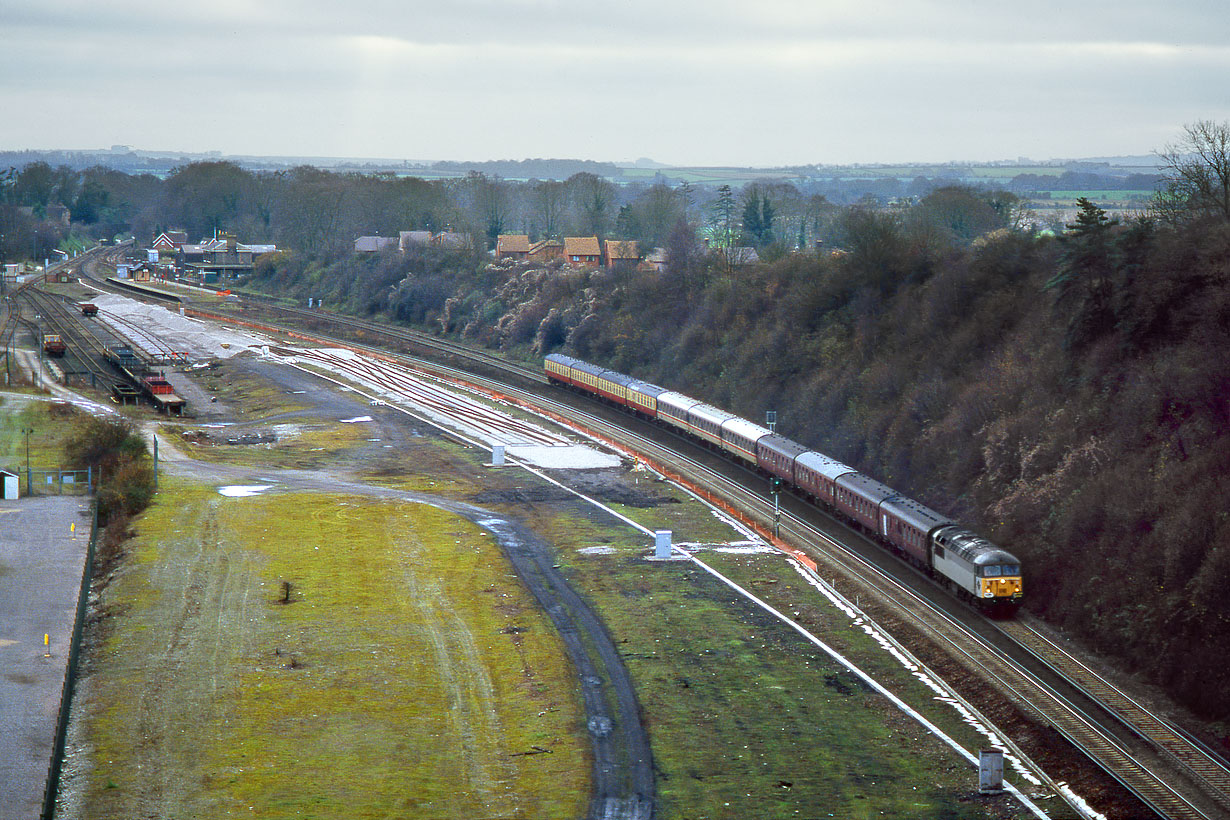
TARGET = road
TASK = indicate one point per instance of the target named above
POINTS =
(43, 543)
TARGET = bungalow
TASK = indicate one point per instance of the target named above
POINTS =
(655, 260)
(620, 252)
(546, 250)
(582, 250)
(372, 244)
(408, 238)
(450, 239)
(512, 246)
(740, 257)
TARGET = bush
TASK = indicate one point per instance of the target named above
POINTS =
(114, 448)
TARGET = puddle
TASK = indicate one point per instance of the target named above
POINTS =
(243, 490)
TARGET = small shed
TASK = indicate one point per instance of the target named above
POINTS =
(9, 489)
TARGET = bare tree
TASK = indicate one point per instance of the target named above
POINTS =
(1198, 170)
(593, 198)
(549, 201)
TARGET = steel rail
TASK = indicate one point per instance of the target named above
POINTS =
(1110, 754)
(1200, 762)
(1184, 807)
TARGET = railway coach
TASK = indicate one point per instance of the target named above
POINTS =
(967, 564)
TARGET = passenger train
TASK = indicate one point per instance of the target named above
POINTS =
(967, 564)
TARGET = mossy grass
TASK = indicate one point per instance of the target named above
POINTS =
(259, 397)
(406, 674)
(746, 718)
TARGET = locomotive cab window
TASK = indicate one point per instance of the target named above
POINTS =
(1011, 569)
(992, 571)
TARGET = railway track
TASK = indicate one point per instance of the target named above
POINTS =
(1169, 771)
(10, 312)
(1141, 770)
(85, 348)
(1200, 762)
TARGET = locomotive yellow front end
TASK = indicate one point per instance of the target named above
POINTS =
(1000, 583)
(1005, 590)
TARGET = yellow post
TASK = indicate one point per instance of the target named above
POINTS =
(47, 645)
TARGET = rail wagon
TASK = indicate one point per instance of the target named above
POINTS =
(53, 345)
(775, 454)
(586, 376)
(739, 437)
(706, 421)
(978, 569)
(643, 397)
(673, 409)
(909, 525)
(859, 497)
(559, 368)
(614, 386)
(816, 474)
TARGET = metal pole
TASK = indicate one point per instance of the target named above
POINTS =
(29, 473)
(155, 463)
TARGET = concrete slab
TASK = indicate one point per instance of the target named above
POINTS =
(41, 561)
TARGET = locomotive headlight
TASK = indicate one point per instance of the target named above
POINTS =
(988, 594)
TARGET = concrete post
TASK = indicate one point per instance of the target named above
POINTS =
(497, 455)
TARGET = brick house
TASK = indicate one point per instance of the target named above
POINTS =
(546, 250)
(582, 250)
(170, 241)
(620, 251)
(512, 246)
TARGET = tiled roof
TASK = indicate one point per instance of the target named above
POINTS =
(512, 243)
(621, 249)
(581, 246)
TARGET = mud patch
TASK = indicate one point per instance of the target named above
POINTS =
(615, 487)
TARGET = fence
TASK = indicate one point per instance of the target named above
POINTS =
(70, 679)
(58, 482)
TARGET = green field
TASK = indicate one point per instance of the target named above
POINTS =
(407, 676)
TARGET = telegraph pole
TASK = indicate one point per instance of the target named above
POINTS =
(29, 473)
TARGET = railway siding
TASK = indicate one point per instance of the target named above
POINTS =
(1112, 757)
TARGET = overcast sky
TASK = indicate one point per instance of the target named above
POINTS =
(690, 82)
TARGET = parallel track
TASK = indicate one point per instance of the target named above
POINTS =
(84, 347)
(1205, 792)
(1141, 771)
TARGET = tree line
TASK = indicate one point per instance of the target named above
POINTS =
(319, 213)
(1065, 394)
